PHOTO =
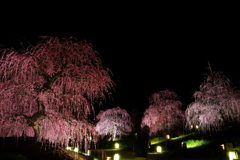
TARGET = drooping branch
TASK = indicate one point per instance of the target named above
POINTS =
(164, 112)
(113, 122)
(48, 85)
(215, 104)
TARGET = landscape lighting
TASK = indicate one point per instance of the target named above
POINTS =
(168, 136)
(232, 155)
(159, 149)
(116, 157)
(116, 145)
(75, 149)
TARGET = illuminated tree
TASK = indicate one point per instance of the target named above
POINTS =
(216, 104)
(164, 113)
(113, 122)
(47, 91)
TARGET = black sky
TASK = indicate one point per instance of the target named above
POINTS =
(148, 48)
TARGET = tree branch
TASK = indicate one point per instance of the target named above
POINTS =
(51, 80)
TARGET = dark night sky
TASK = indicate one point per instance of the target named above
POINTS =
(148, 48)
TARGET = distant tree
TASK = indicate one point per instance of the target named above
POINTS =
(114, 122)
(216, 104)
(164, 113)
(47, 91)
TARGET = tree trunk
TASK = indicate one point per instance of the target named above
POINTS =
(114, 132)
(34, 123)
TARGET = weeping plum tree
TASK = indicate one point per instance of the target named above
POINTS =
(47, 91)
(216, 104)
(113, 122)
(164, 112)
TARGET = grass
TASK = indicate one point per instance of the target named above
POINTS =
(157, 140)
(13, 156)
(196, 143)
(182, 136)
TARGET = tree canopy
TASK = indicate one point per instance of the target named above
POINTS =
(113, 122)
(216, 104)
(164, 112)
(47, 90)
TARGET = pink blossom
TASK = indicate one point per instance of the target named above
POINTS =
(48, 90)
(113, 122)
(164, 112)
(216, 104)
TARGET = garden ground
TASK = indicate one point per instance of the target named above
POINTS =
(13, 150)
(37, 152)
(172, 149)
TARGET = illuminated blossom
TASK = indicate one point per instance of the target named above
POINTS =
(47, 91)
(164, 112)
(113, 122)
(216, 104)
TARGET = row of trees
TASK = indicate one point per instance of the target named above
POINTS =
(48, 91)
(216, 106)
